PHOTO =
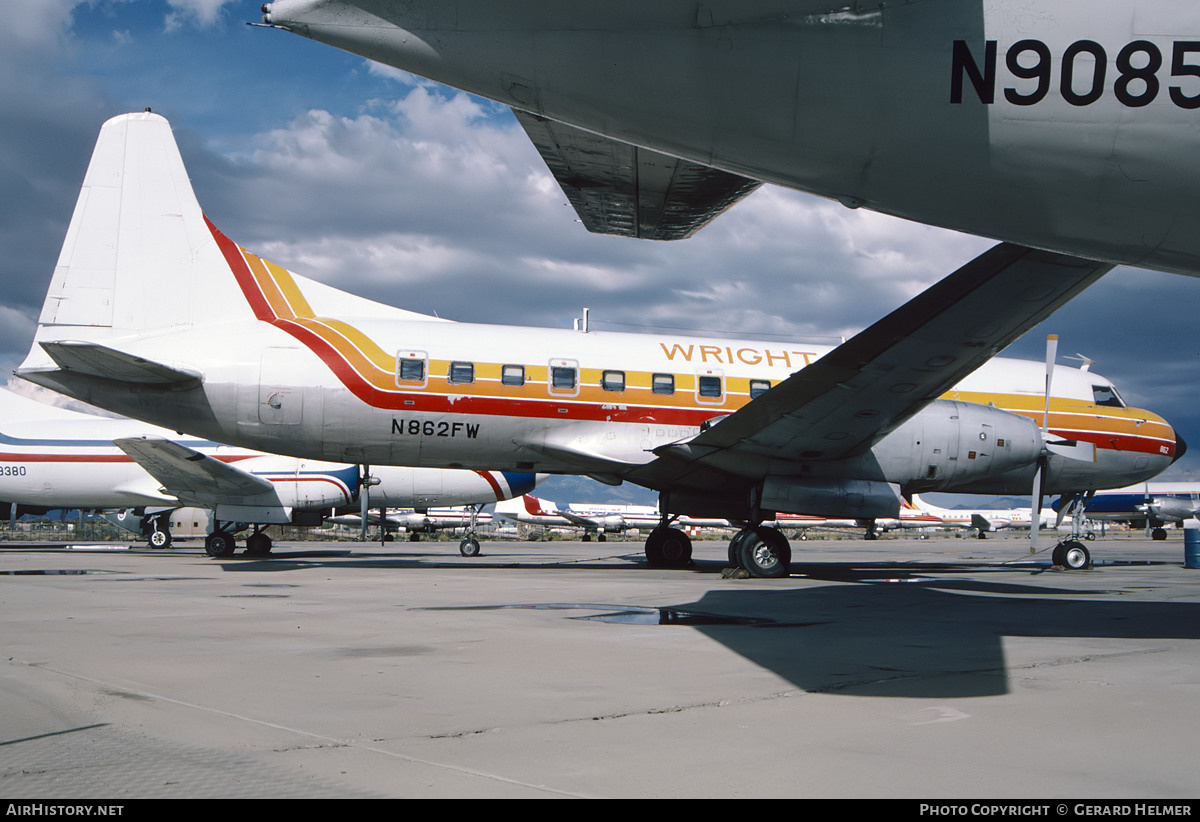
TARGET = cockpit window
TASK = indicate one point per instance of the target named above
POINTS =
(1107, 395)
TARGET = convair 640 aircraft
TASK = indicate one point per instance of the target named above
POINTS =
(154, 313)
(58, 458)
(1058, 124)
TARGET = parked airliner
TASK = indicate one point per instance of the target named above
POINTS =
(154, 313)
(54, 457)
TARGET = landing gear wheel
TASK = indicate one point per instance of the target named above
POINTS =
(1072, 555)
(602, 538)
(220, 544)
(668, 548)
(160, 539)
(258, 544)
(469, 547)
(764, 552)
(1158, 533)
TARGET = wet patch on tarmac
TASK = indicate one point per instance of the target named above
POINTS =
(639, 615)
(55, 572)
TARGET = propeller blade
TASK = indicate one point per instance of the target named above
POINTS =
(1051, 355)
(1035, 513)
(1035, 519)
(364, 500)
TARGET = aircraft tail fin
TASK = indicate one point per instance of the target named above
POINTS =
(139, 254)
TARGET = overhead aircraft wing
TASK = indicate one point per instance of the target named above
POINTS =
(618, 188)
(190, 475)
(852, 397)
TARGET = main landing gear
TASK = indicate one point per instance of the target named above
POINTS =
(759, 550)
(222, 543)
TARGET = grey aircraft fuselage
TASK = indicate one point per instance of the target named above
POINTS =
(1066, 125)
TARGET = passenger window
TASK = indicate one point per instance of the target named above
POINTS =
(562, 378)
(710, 386)
(663, 384)
(410, 368)
(613, 381)
(1107, 395)
(759, 387)
(512, 375)
(462, 372)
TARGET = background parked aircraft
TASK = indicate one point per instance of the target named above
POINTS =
(593, 518)
(416, 522)
(987, 520)
(54, 457)
(1149, 505)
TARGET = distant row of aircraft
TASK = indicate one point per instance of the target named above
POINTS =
(155, 314)
(57, 458)
(1152, 506)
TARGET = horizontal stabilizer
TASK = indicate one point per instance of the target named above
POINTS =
(980, 522)
(618, 188)
(97, 360)
(190, 475)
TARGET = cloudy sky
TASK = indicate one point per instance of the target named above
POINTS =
(417, 195)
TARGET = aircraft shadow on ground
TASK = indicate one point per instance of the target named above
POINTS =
(879, 629)
(915, 640)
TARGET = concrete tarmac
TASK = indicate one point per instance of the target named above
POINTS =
(938, 668)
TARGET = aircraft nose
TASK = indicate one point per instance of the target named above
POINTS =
(1180, 448)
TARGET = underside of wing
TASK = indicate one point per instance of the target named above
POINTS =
(191, 476)
(617, 188)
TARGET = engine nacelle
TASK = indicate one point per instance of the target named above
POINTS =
(612, 524)
(951, 444)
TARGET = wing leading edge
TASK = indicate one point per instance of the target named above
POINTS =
(848, 400)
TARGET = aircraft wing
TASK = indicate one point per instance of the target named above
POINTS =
(845, 402)
(575, 519)
(190, 475)
(618, 188)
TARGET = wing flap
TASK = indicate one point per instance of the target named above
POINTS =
(618, 188)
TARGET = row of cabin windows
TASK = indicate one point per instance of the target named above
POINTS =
(565, 378)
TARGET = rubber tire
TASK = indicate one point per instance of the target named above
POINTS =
(159, 539)
(258, 545)
(469, 547)
(220, 544)
(1158, 534)
(668, 548)
(765, 553)
(1071, 555)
